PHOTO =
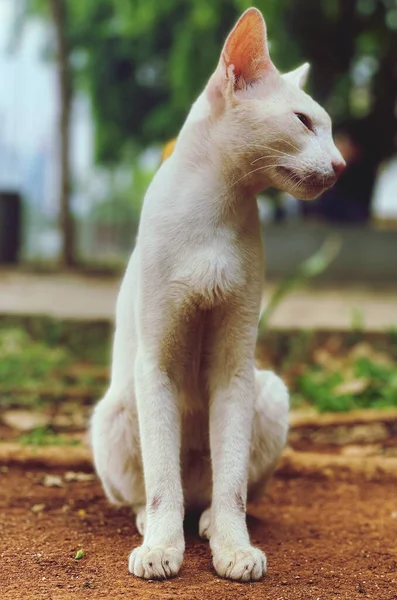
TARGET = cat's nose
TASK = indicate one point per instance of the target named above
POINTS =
(338, 166)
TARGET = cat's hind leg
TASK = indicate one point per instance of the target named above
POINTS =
(140, 519)
(116, 450)
(270, 430)
(205, 524)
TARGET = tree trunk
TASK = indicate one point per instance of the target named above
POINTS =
(58, 10)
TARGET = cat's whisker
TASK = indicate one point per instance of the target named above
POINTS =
(285, 130)
(264, 168)
(291, 144)
(273, 150)
(291, 179)
(284, 140)
(268, 148)
(299, 184)
(263, 157)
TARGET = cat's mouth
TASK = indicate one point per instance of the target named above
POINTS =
(290, 174)
(309, 185)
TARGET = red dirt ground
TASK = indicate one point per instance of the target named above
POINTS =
(324, 539)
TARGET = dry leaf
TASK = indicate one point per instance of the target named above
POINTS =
(322, 357)
(52, 481)
(354, 386)
(71, 476)
(24, 420)
(362, 450)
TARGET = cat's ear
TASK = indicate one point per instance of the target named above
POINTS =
(246, 50)
(245, 56)
(298, 76)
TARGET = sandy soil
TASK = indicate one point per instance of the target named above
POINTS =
(324, 539)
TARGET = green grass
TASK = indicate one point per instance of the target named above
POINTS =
(45, 436)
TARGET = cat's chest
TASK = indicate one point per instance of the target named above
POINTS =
(213, 273)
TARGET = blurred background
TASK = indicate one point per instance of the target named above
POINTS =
(90, 93)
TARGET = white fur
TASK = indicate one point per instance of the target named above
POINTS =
(188, 420)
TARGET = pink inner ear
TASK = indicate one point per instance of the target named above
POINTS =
(246, 49)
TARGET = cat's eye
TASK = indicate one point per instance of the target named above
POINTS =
(305, 120)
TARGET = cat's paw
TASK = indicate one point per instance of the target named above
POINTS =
(155, 562)
(205, 524)
(240, 564)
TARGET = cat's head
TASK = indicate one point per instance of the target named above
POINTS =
(270, 132)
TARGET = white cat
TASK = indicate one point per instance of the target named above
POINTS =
(188, 420)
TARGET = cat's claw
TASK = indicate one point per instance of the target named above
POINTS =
(155, 562)
(242, 564)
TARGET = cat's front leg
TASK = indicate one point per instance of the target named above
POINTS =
(161, 553)
(232, 389)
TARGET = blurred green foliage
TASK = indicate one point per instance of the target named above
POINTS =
(143, 62)
(367, 384)
(26, 361)
(39, 369)
(87, 340)
(42, 373)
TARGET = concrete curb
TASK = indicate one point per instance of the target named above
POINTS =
(293, 464)
(301, 419)
(77, 458)
(334, 466)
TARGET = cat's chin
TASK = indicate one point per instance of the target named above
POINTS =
(311, 191)
(307, 194)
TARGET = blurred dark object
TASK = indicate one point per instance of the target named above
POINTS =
(366, 254)
(349, 201)
(10, 227)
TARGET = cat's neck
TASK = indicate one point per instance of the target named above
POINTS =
(201, 193)
(201, 148)
(210, 177)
